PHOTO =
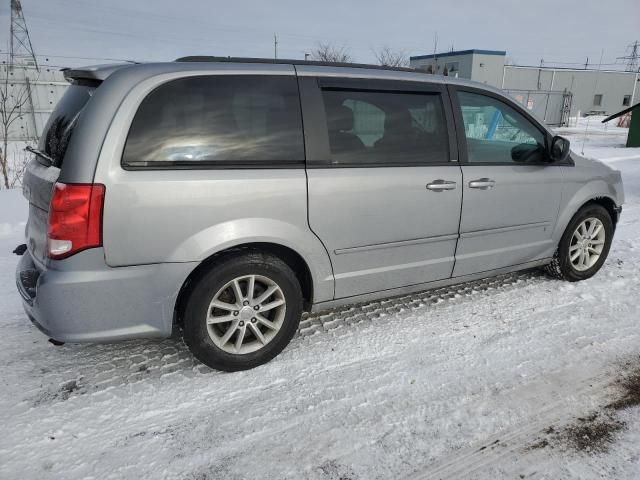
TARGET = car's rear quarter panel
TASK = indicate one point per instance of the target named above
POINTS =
(179, 216)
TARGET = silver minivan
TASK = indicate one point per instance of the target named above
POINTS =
(225, 197)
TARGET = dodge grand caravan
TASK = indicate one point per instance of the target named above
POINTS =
(225, 197)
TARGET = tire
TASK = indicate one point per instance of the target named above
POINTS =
(206, 339)
(562, 266)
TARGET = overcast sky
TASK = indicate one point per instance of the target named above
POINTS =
(556, 30)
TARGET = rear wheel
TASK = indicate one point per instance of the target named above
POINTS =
(243, 312)
(584, 245)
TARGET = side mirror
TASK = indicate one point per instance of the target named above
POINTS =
(560, 148)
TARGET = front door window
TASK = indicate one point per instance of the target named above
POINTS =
(497, 133)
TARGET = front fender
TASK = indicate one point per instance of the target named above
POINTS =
(584, 184)
(242, 231)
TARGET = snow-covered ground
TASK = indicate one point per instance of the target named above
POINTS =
(501, 378)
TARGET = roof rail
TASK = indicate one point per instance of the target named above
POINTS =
(205, 58)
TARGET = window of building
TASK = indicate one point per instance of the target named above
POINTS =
(497, 133)
(597, 100)
(626, 100)
(385, 128)
(226, 120)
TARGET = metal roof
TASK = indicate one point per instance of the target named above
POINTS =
(473, 51)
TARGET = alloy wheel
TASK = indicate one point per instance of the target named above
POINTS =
(246, 314)
(587, 244)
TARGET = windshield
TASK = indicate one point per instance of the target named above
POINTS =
(57, 133)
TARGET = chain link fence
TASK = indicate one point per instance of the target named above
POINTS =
(550, 106)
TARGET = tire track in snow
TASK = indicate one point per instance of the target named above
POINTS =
(96, 368)
(494, 449)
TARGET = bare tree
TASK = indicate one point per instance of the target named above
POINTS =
(388, 57)
(18, 162)
(14, 97)
(327, 52)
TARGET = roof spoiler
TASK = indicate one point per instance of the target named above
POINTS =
(96, 73)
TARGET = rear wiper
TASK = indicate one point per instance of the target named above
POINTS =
(40, 154)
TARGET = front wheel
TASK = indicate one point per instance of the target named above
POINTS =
(242, 312)
(584, 245)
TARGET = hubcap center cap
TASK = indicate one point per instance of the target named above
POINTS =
(246, 313)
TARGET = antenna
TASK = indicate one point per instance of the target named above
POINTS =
(435, 48)
(21, 48)
(595, 89)
(633, 59)
(275, 46)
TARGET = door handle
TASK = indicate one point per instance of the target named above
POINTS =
(441, 185)
(482, 183)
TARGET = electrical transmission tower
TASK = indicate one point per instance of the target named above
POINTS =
(633, 59)
(21, 48)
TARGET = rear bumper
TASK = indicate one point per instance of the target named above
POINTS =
(81, 299)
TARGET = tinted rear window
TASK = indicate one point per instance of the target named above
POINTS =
(59, 128)
(225, 120)
(385, 128)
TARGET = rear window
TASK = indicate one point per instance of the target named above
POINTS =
(226, 120)
(59, 128)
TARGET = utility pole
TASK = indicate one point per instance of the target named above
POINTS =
(435, 58)
(275, 46)
(21, 50)
(540, 73)
(586, 64)
(633, 59)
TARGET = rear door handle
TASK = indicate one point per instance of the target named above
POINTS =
(441, 185)
(482, 183)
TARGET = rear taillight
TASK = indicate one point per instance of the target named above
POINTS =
(75, 218)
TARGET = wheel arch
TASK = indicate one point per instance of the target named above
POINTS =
(608, 203)
(585, 196)
(604, 201)
(292, 258)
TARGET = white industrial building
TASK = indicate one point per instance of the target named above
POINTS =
(553, 93)
(43, 87)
